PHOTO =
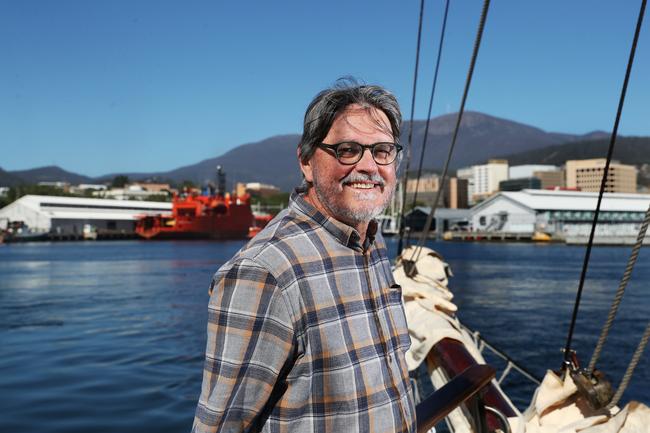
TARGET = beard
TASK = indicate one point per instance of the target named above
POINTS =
(365, 205)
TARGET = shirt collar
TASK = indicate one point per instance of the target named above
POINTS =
(342, 232)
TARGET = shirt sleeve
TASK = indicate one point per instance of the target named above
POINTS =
(249, 346)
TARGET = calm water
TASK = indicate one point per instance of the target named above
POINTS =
(109, 336)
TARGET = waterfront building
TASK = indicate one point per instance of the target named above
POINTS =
(467, 174)
(529, 170)
(68, 215)
(454, 196)
(426, 183)
(132, 192)
(152, 187)
(562, 214)
(256, 189)
(550, 179)
(483, 180)
(587, 174)
(520, 183)
(446, 219)
(550, 176)
(93, 186)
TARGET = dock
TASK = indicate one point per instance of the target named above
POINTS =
(489, 236)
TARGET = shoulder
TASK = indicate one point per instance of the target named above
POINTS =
(287, 240)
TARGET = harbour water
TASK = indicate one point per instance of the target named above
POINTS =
(109, 336)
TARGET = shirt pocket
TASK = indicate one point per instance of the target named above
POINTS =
(397, 318)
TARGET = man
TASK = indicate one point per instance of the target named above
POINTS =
(306, 328)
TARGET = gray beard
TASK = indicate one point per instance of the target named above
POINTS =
(346, 214)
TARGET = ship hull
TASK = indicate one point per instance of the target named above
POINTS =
(232, 222)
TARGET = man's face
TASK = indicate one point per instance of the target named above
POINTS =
(355, 193)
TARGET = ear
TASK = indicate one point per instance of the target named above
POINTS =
(306, 168)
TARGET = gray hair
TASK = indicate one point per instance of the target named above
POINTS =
(329, 103)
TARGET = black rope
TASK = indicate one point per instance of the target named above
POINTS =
(433, 91)
(410, 136)
(585, 266)
(441, 186)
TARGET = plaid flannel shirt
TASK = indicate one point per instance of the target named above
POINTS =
(306, 333)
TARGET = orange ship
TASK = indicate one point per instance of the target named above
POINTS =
(212, 215)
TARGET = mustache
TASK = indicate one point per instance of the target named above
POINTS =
(360, 177)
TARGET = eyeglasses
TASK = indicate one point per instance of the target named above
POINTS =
(351, 152)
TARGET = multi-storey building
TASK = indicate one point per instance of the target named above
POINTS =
(426, 183)
(528, 170)
(455, 192)
(550, 176)
(550, 179)
(587, 174)
(467, 174)
(487, 178)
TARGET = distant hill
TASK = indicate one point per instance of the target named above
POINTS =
(9, 179)
(628, 150)
(273, 160)
(50, 173)
(480, 138)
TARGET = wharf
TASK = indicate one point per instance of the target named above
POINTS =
(62, 237)
(606, 240)
(101, 236)
(496, 236)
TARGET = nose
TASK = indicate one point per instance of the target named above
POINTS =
(367, 163)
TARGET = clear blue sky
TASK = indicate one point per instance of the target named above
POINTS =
(101, 87)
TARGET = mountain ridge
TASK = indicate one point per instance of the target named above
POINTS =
(273, 160)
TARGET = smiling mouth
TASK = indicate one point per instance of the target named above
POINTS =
(361, 185)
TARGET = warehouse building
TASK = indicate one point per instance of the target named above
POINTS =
(445, 218)
(69, 215)
(563, 214)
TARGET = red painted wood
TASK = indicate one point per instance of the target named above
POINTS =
(454, 358)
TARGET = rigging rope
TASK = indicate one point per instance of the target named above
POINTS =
(585, 265)
(468, 81)
(410, 136)
(433, 91)
(503, 355)
(630, 368)
(620, 291)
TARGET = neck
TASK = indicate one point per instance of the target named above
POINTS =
(311, 198)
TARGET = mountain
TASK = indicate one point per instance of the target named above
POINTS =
(628, 150)
(480, 138)
(9, 179)
(50, 173)
(273, 160)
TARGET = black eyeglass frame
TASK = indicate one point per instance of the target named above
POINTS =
(334, 147)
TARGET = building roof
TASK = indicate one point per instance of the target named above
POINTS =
(441, 212)
(56, 207)
(540, 200)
